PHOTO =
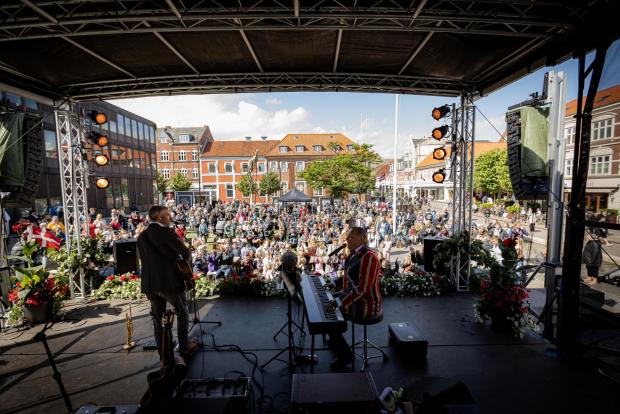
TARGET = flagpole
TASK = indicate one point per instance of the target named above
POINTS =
(395, 170)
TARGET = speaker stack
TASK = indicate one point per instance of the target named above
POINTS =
(125, 256)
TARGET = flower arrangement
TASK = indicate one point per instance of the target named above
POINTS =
(416, 283)
(21, 226)
(501, 299)
(205, 285)
(126, 286)
(92, 259)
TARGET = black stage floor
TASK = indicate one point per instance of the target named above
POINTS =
(504, 374)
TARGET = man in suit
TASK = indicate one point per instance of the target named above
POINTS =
(159, 248)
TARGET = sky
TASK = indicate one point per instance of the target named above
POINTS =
(364, 117)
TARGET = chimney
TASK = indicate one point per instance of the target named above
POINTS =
(248, 138)
(264, 137)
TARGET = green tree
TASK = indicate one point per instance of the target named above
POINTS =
(247, 186)
(162, 183)
(365, 154)
(180, 182)
(270, 184)
(491, 174)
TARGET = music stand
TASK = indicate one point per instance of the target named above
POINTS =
(197, 320)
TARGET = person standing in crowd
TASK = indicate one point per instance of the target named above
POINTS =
(593, 258)
(159, 248)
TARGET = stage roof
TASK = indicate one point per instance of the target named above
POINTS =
(104, 49)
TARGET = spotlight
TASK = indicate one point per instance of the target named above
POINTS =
(102, 182)
(97, 117)
(101, 159)
(98, 139)
(440, 132)
(439, 176)
(440, 112)
(439, 153)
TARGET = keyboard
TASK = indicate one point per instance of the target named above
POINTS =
(315, 297)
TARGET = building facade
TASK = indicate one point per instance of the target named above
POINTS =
(604, 167)
(224, 163)
(178, 151)
(295, 151)
(131, 151)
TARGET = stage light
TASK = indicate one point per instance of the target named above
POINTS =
(439, 176)
(440, 132)
(97, 117)
(439, 153)
(101, 159)
(440, 112)
(98, 139)
(102, 182)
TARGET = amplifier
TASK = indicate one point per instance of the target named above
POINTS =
(407, 339)
(353, 392)
(213, 396)
(125, 256)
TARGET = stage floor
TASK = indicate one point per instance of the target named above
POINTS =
(504, 374)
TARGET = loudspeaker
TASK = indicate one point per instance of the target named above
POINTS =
(445, 390)
(334, 393)
(33, 155)
(125, 256)
(429, 252)
(212, 395)
(524, 187)
(407, 340)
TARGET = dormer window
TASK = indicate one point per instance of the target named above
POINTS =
(299, 148)
(317, 148)
(184, 138)
(283, 148)
(350, 147)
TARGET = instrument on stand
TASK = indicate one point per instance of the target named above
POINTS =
(129, 342)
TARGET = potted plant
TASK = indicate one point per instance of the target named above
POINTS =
(513, 210)
(611, 214)
(486, 209)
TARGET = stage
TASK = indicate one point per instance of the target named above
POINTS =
(504, 374)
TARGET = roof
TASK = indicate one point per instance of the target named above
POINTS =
(604, 97)
(240, 149)
(309, 141)
(103, 49)
(294, 196)
(480, 147)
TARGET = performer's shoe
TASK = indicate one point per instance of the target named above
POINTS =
(340, 364)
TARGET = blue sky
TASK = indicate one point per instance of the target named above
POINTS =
(365, 117)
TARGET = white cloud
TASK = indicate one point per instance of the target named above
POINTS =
(273, 101)
(485, 131)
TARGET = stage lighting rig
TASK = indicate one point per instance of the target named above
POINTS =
(439, 153)
(439, 176)
(441, 132)
(101, 159)
(102, 182)
(441, 112)
(97, 117)
(97, 138)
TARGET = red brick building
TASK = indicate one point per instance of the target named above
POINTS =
(223, 163)
(179, 149)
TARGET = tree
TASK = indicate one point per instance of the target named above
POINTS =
(247, 186)
(162, 183)
(491, 175)
(270, 184)
(365, 154)
(180, 182)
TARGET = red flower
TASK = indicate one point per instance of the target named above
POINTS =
(195, 276)
(18, 284)
(109, 278)
(13, 296)
(508, 242)
(33, 301)
(134, 276)
(123, 278)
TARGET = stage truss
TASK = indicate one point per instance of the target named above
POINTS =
(461, 175)
(74, 183)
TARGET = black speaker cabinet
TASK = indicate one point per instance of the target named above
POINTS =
(429, 252)
(125, 256)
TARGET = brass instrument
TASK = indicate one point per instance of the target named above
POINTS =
(129, 343)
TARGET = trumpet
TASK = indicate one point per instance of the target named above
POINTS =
(129, 342)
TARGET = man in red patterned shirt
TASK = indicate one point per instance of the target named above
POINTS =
(361, 293)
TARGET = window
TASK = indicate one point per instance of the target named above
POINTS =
(300, 186)
(317, 148)
(228, 167)
(51, 149)
(127, 127)
(152, 134)
(121, 123)
(165, 173)
(284, 186)
(299, 166)
(163, 137)
(283, 148)
(599, 165)
(261, 167)
(569, 135)
(14, 99)
(163, 156)
(245, 167)
(182, 156)
(195, 173)
(318, 192)
(350, 147)
(141, 130)
(183, 172)
(211, 168)
(283, 166)
(299, 148)
(273, 166)
(194, 155)
(569, 167)
(185, 138)
(112, 126)
(230, 191)
(31, 104)
(602, 129)
(134, 128)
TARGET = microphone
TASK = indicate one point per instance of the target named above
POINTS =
(337, 250)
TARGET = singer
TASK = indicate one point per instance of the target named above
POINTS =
(361, 292)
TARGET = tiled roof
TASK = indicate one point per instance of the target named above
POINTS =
(603, 97)
(480, 148)
(309, 141)
(237, 148)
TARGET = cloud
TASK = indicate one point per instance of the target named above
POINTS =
(485, 131)
(230, 117)
(273, 101)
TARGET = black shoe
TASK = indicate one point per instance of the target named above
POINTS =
(340, 364)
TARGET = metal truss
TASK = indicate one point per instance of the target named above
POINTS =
(265, 82)
(30, 19)
(462, 173)
(74, 183)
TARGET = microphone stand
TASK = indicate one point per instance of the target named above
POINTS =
(41, 337)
